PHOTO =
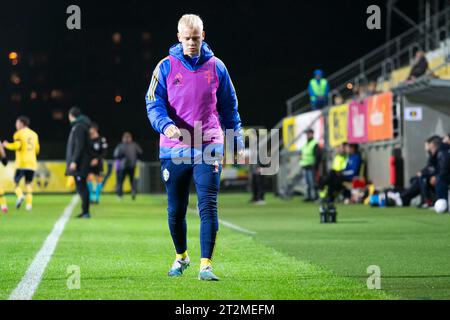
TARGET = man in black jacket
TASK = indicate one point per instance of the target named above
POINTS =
(441, 180)
(78, 156)
(421, 182)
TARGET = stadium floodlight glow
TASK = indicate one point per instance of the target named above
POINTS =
(349, 86)
(15, 78)
(13, 55)
(116, 37)
(118, 99)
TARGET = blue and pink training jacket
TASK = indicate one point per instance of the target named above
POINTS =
(197, 95)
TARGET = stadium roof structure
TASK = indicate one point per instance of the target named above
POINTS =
(426, 90)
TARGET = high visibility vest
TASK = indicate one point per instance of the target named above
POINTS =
(339, 163)
(308, 157)
(320, 88)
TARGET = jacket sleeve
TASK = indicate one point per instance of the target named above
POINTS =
(227, 104)
(138, 149)
(79, 144)
(118, 153)
(104, 147)
(311, 92)
(317, 156)
(157, 99)
(443, 163)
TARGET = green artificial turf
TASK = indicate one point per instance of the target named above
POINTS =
(411, 246)
(21, 236)
(125, 251)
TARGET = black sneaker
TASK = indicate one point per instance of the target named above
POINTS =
(84, 216)
(332, 214)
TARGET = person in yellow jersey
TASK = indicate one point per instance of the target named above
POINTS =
(4, 161)
(26, 146)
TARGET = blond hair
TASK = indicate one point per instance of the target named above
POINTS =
(190, 21)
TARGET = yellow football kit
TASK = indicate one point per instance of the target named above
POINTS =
(26, 145)
(3, 206)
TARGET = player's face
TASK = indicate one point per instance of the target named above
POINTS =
(19, 125)
(191, 39)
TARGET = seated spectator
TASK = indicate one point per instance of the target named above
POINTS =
(353, 162)
(446, 139)
(351, 170)
(372, 88)
(318, 89)
(359, 93)
(419, 66)
(338, 100)
(420, 184)
(441, 179)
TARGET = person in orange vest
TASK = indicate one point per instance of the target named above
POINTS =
(318, 89)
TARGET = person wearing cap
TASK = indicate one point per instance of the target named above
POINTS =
(309, 161)
(318, 89)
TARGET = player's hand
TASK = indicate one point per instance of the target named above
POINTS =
(94, 162)
(172, 132)
(419, 174)
(73, 166)
(5, 143)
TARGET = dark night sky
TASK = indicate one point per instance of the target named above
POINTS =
(270, 49)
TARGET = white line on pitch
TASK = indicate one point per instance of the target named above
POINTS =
(229, 224)
(30, 281)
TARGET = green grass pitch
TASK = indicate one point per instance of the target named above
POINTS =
(125, 250)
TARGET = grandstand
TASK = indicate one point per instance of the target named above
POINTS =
(430, 93)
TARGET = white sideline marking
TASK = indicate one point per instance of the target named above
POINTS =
(229, 224)
(30, 281)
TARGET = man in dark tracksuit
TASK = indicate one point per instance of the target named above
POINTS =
(191, 95)
(127, 152)
(420, 184)
(78, 156)
(442, 176)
